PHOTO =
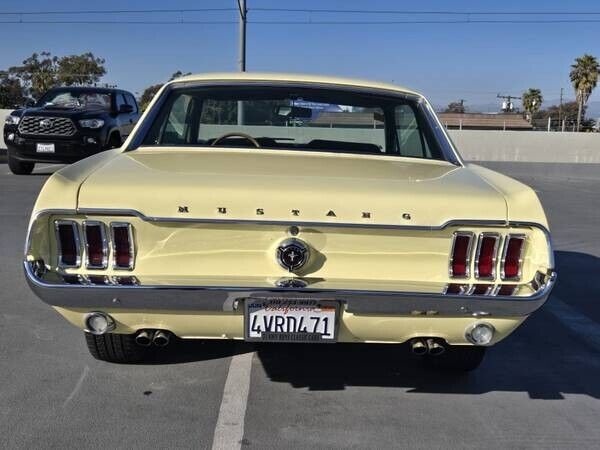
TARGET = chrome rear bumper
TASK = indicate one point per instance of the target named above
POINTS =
(227, 298)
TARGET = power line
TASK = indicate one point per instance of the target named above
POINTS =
(114, 11)
(396, 11)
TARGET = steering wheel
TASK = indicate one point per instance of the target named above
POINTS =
(236, 134)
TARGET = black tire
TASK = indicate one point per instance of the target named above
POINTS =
(115, 348)
(460, 358)
(114, 141)
(19, 167)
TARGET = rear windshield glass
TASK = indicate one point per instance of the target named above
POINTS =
(76, 99)
(296, 119)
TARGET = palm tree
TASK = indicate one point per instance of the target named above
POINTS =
(532, 100)
(584, 76)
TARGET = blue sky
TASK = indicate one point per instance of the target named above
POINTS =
(446, 62)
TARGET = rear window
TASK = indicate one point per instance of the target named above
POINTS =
(296, 119)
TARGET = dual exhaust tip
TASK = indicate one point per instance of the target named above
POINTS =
(159, 338)
(427, 346)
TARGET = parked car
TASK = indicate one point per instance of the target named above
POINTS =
(218, 223)
(68, 124)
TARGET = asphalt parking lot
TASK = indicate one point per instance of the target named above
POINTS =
(539, 388)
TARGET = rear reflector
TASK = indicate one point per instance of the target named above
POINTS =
(460, 257)
(67, 241)
(122, 243)
(96, 246)
(485, 260)
(512, 257)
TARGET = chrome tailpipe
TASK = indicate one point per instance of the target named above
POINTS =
(161, 338)
(434, 348)
(144, 338)
(418, 347)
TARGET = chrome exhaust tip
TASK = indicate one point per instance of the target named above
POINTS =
(144, 338)
(434, 348)
(161, 338)
(418, 347)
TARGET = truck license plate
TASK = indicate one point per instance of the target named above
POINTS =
(291, 320)
(44, 148)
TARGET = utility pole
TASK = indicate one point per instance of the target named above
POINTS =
(560, 107)
(242, 60)
(507, 106)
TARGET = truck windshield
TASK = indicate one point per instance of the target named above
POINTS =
(76, 99)
(308, 119)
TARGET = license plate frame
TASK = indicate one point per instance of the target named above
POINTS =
(322, 308)
(41, 147)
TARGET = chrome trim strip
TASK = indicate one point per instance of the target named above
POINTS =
(75, 228)
(95, 223)
(496, 238)
(221, 298)
(467, 274)
(523, 238)
(113, 226)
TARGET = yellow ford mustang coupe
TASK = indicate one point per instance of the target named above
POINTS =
(289, 208)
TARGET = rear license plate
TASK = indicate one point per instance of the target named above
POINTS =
(291, 320)
(44, 148)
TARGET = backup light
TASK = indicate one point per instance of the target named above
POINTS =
(98, 323)
(480, 333)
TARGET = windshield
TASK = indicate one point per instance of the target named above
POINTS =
(76, 99)
(294, 119)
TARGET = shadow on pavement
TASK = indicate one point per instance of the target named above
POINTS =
(542, 358)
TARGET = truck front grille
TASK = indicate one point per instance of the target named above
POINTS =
(46, 126)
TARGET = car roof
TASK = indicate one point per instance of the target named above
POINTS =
(293, 77)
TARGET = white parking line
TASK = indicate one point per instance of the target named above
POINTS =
(578, 323)
(47, 166)
(229, 430)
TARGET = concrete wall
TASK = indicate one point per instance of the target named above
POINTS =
(527, 146)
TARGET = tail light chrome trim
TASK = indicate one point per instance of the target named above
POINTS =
(461, 234)
(86, 225)
(58, 225)
(114, 226)
(510, 237)
(483, 237)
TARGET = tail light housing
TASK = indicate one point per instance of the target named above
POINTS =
(96, 245)
(512, 257)
(68, 244)
(486, 256)
(122, 246)
(460, 256)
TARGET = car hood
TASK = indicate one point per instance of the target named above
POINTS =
(280, 185)
(73, 113)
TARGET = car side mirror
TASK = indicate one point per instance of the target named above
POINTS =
(125, 109)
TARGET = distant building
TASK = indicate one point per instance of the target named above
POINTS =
(479, 121)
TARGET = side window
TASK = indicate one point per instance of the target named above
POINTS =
(177, 126)
(410, 140)
(120, 101)
(132, 102)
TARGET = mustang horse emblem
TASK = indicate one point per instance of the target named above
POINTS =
(292, 254)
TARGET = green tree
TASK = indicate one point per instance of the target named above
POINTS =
(584, 76)
(532, 101)
(80, 70)
(456, 107)
(11, 91)
(151, 91)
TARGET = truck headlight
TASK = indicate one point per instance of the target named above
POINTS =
(12, 120)
(91, 123)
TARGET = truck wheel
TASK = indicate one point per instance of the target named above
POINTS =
(19, 167)
(459, 358)
(116, 348)
(114, 141)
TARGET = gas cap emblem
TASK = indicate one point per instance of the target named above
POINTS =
(292, 254)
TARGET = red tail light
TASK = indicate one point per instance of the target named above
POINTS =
(460, 258)
(485, 261)
(123, 248)
(512, 257)
(95, 245)
(67, 240)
